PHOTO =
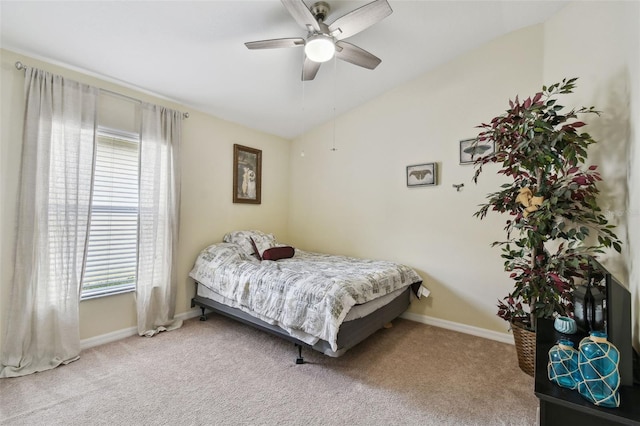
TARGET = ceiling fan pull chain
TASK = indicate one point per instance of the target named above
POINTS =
(303, 97)
(335, 85)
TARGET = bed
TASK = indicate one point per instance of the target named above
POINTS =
(326, 302)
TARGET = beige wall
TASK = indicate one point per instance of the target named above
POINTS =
(603, 38)
(207, 209)
(355, 200)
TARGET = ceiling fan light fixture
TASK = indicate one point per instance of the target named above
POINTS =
(320, 48)
(324, 42)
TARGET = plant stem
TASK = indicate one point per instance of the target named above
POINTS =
(535, 251)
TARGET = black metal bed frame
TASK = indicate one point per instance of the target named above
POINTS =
(350, 333)
(228, 311)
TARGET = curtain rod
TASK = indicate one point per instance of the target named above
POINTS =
(22, 67)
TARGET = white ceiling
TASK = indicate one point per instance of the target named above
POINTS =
(192, 52)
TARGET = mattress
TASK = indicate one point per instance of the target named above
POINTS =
(358, 311)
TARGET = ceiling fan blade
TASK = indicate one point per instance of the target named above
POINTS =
(302, 14)
(360, 19)
(275, 43)
(355, 55)
(309, 69)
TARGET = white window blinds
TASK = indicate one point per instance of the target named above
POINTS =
(111, 261)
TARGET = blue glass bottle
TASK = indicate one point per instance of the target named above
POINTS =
(562, 368)
(598, 365)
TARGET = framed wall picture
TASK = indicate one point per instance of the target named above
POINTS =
(422, 174)
(247, 174)
(470, 151)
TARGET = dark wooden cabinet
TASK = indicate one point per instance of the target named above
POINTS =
(559, 406)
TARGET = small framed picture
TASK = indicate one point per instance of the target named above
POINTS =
(421, 174)
(247, 175)
(471, 150)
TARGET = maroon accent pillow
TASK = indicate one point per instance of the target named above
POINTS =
(276, 253)
(255, 249)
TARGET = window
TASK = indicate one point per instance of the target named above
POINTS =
(111, 261)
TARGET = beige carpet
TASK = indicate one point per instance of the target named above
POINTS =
(220, 372)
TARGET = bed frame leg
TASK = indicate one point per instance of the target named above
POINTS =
(203, 317)
(299, 360)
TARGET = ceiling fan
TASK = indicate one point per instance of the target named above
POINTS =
(324, 41)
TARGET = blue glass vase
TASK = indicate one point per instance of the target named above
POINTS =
(562, 368)
(598, 367)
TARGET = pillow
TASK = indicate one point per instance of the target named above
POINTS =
(260, 245)
(220, 253)
(215, 256)
(256, 252)
(243, 239)
(277, 253)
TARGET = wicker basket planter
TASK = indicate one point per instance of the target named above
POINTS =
(525, 347)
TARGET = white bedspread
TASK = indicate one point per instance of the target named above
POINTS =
(310, 292)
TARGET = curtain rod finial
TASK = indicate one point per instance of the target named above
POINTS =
(19, 65)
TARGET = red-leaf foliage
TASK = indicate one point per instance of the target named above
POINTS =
(538, 147)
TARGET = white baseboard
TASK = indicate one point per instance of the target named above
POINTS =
(462, 328)
(126, 332)
(424, 319)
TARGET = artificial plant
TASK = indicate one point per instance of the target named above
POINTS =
(555, 224)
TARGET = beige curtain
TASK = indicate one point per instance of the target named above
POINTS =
(42, 324)
(159, 217)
